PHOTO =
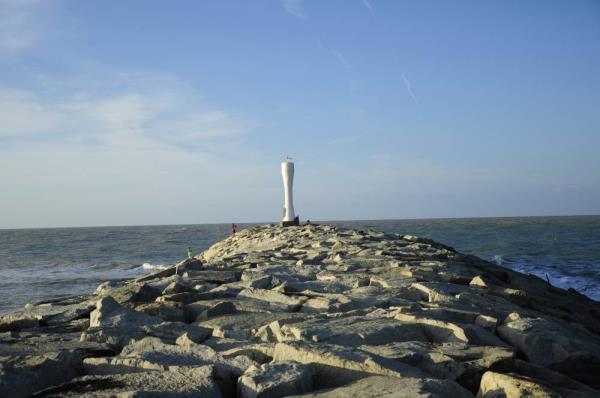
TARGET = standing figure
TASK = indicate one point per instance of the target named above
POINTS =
(233, 228)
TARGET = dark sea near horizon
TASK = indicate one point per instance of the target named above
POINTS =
(45, 264)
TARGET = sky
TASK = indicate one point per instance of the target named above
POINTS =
(139, 112)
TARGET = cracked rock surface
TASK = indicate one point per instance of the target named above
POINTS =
(310, 311)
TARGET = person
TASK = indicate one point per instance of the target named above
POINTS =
(233, 228)
(190, 252)
(307, 222)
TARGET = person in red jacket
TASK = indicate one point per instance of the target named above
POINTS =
(233, 228)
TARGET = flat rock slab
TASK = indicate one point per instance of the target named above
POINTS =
(393, 387)
(180, 383)
(353, 331)
(335, 364)
(291, 303)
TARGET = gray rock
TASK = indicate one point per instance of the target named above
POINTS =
(228, 348)
(216, 309)
(176, 383)
(442, 332)
(49, 313)
(335, 365)
(366, 313)
(393, 387)
(291, 303)
(151, 354)
(569, 349)
(20, 376)
(353, 331)
(241, 325)
(116, 326)
(218, 276)
(169, 311)
(274, 380)
(421, 355)
(494, 385)
(331, 302)
(131, 293)
(177, 286)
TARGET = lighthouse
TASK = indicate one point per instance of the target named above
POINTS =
(287, 171)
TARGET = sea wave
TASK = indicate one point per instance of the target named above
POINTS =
(497, 259)
(153, 266)
(558, 276)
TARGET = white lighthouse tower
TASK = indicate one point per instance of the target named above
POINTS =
(287, 171)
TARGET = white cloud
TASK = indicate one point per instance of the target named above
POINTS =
(149, 151)
(295, 7)
(23, 115)
(139, 117)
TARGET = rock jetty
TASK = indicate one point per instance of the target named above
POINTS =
(310, 311)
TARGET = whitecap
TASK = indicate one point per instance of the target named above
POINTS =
(154, 266)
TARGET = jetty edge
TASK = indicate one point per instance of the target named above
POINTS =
(311, 311)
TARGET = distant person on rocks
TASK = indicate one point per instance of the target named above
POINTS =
(307, 222)
(190, 252)
(233, 228)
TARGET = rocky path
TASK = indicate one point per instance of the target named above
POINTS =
(311, 311)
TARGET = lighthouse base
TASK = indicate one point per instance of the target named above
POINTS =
(290, 223)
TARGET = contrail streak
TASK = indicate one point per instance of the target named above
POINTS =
(369, 7)
(409, 89)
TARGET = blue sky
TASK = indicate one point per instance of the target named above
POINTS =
(152, 112)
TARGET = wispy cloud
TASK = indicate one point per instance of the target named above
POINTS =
(136, 117)
(409, 89)
(341, 58)
(369, 7)
(337, 54)
(295, 7)
(143, 148)
(21, 22)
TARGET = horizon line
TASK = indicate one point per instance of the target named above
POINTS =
(312, 221)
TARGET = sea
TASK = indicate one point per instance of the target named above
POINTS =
(45, 264)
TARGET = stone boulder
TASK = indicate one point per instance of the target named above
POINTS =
(498, 385)
(570, 349)
(21, 376)
(116, 326)
(275, 379)
(47, 313)
(130, 292)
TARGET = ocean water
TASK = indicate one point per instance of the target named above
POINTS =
(44, 264)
